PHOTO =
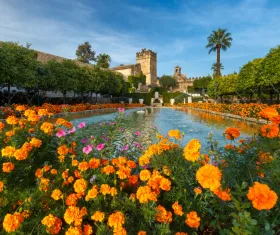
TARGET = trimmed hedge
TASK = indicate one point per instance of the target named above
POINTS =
(170, 95)
(160, 90)
(135, 80)
(136, 96)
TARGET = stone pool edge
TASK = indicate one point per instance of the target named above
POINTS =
(254, 120)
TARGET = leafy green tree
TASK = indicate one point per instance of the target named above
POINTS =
(81, 85)
(167, 81)
(215, 69)
(61, 77)
(247, 79)
(84, 53)
(103, 60)
(18, 66)
(218, 40)
(269, 72)
(202, 83)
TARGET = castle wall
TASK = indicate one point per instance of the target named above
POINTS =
(125, 72)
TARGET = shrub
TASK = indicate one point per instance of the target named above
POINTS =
(170, 95)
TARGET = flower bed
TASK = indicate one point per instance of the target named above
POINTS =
(58, 178)
(243, 110)
(54, 109)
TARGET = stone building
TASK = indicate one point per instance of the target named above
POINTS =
(182, 81)
(146, 63)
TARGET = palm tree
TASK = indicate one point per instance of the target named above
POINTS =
(218, 40)
(103, 60)
(215, 69)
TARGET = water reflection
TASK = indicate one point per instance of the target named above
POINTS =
(194, 124)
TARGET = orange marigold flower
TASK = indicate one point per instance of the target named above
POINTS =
(275, 120)
(10, 133)
(197, 190)
(47, 128)
(74, 215)
(262, 197)
(8, 167)
(12, 222)
(133, 179)
(98, 216)
(181, 233)
(268, 113)
(178, 210)
(87, 230)
(105, 189)
(11, 120)
(108, 170)
(39, 173)
(232, 133)
(269, 131)
(62, 150)
(83, 166)
(119, 231)
(141, 232)
(145, 175)
(29, 112)
(20, 108)
(175, 134)
(162, 215)
(53, 223)
(131, 164)
(8, 151)
(2, 125)
(53, 171)
(192, 150)
(223, 195)
(192, 219)
(209, 176)
(21, 154)
(80, 186)
(71, 199)
(56, 194)
(92, 193)
(165, 184)
(123, 172)
(74, 231)
(229, 146)
(75, 162)
(116, 220)
(145, 194)
(43, 112)
(1, 186)
(94, 163)
(36, 142)
(113, 191)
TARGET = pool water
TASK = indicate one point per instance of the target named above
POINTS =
(194, 124)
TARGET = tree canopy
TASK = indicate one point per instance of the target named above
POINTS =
(167, 81)
(103, 60)
(84, 53)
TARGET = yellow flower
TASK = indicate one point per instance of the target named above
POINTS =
(174, 133)
(56, 194)
(191, 151)
(209, 176)
(98, 216)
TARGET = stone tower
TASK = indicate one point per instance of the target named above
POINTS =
(148, 61)
(177, 70)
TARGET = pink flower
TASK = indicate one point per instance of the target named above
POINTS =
(121, 110)
(137, 133)
(92, 137)
(82, 125)
(124, 148)
(100, 147)
(72, 130)
(87, 149)
(60, 133)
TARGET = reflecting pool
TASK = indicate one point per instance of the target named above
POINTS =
(194, 124)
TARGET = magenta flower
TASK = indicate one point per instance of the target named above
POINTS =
(92, 137)
(87, 149)
(82, 125)
(124, 148)
(137, 133)
(72, 130)
(60, 133)
(121, 110)
(100, 147)
(137, 145)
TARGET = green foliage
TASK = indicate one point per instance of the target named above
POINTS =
(225, 85)
(160, 90)
(248, 75)
(103, 60)
(167, 81)
(269, 69)
(135, 80)
(18, 66)
(170, 95)
(136, 96)
(84, 53)
(202, 83)
(215, 69)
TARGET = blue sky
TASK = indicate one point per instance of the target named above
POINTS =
(176, 29)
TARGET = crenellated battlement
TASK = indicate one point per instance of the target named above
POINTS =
(146, 53)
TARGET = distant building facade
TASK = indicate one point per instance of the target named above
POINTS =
(146, 63)
(182, 81)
